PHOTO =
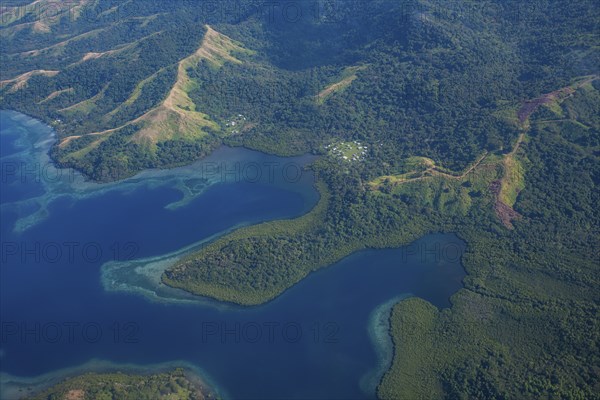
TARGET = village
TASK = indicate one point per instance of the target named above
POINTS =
(235, 124)
(348, 151)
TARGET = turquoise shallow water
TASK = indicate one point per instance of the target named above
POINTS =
(323, 338)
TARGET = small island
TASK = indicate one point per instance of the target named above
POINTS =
(177, 384)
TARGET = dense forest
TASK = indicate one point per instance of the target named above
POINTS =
(479, 118)
(525, 326)
(528, 312)
(429, 78)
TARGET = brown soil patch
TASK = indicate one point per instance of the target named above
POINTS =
(75, 394)
(336, 86)
(530, 106)
(41, 27)
(504, 212)
(92, 56)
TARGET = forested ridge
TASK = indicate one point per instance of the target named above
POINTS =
(479, 118)
(431, 77)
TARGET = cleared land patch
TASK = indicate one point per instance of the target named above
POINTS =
(20, 82)
(55, 94)
(348, 151)
(57, 49)
(347, 77)
(511, 181)
(178, 116)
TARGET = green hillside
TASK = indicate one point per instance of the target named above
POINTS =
(479, 118)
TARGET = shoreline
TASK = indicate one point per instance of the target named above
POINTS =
(190, 180)
(47, 124)
(16, 387)
(382, 340)
(149, 272)
(152, 269)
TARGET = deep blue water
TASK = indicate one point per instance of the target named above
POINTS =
(311, 342)
(7, 144)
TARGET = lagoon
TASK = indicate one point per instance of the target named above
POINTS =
(326, 337)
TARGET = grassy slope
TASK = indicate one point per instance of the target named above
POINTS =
(346, 78)
(20, 82)
(137, 92)
(177, 117)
